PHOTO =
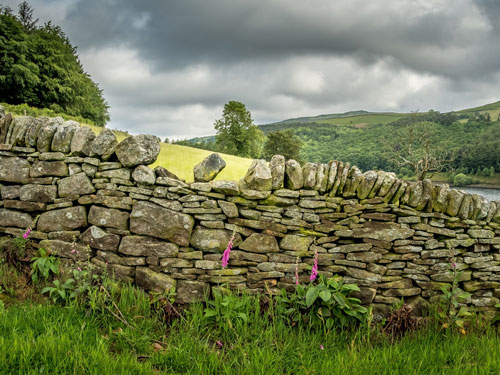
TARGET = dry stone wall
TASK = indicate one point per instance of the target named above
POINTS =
(98, 201)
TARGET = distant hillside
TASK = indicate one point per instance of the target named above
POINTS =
(469, 137)
(351, 117)
(321, 117)
(492, 109)
(484, 108)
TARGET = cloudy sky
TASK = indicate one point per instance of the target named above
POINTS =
(168, 67)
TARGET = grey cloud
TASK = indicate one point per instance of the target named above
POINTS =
(168, 67)
(448, 40)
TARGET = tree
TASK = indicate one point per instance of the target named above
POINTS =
(40, 67)
(236, 133)
(282, 142)
(25, 14)
(416, 146)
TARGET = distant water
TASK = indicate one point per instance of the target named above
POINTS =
(490, 194)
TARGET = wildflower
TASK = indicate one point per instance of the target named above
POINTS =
(453, 266)
(462, 331)
(73, 251)
(30, 228)
(322, 347)
(27, 233)
(225, 256)
(314, 272)
(297, 271)
(219, 344)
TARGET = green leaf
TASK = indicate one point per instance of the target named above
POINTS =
(351, 287)
(209, 313)
(340, 298)
(325, 295)
(464, 296)
(329, 323)
(311, 296)
(243, 317)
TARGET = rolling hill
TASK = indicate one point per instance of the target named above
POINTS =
(468, 136)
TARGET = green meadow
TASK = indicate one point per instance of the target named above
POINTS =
(128, 334)
(181, 160)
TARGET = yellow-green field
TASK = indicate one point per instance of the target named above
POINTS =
(181, 160)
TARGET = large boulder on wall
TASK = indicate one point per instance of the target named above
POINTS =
(138, 149)
(259, 176)
(209, 168)
(104, 145)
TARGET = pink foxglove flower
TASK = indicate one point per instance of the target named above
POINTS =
(30, 228)
(27, 233)
(225, 256)
(314, 272)
(297, 271)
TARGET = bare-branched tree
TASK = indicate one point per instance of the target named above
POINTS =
(416, 146)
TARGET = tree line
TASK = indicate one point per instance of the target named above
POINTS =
(40, 67)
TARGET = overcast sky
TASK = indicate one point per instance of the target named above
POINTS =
(168, 67)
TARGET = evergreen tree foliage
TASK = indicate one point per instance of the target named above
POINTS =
(25, 15)
(40, 67)
(236, 133)
(282, 142)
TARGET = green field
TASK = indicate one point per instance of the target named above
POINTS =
(128, 336)
(486, 107)
(181, 160)
(493, 109)
(364, 120)
(119, 329)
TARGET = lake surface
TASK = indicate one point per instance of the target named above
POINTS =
(490, 194)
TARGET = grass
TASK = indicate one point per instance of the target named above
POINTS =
(492, 108)
(51, 339)
(364, 120)
(47, 339)
(26, 110)
(181, 160)
(37, 337)
(486, 107)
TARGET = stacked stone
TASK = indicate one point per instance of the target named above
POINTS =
(98, 201)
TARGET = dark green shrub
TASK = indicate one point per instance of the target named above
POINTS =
(462, 180)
